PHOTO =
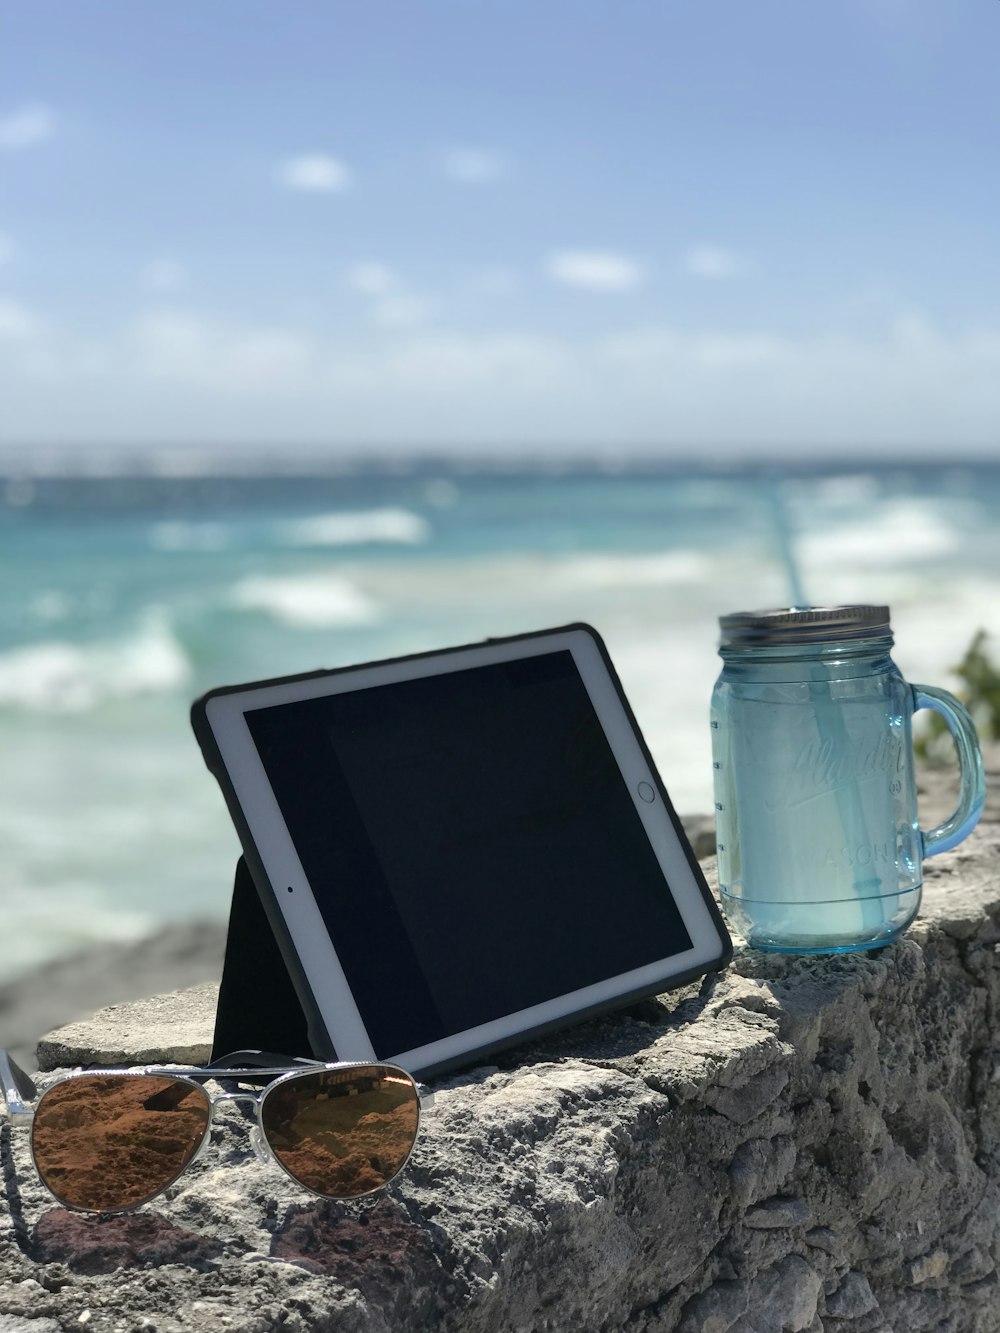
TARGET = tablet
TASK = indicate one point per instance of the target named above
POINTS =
(460, 849)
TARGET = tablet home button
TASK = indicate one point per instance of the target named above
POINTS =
(646, 792)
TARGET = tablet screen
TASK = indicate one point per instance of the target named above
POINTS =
(456, 831)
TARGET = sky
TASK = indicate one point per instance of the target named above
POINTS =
(716, 228)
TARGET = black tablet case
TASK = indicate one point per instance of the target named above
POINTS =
(259, 1006)
(265, 1001)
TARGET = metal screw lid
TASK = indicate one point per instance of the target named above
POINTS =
(807, 624)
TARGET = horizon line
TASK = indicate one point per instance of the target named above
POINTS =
(167, 459)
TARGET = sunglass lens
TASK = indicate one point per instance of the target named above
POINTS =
(342, 1133)
(104, 1143)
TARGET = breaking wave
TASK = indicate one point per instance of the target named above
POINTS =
(635, 571)
(894, 535)
(60, 677)
(306, 601)
(391, 525)
(177, 535)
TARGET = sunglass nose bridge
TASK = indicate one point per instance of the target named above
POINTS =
(252, 1097)
(259, 1144)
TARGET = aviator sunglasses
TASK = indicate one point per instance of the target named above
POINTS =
(108, 1140)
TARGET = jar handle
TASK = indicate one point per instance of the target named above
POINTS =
(972, 792)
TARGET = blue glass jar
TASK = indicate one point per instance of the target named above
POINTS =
(815, 791)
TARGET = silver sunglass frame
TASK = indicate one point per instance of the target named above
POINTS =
(19, 1091)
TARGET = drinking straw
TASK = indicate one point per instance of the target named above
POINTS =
(786, 549)
(831, 729)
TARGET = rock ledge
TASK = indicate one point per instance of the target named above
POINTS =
(798, 1145)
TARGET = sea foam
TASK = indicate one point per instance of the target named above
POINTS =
(41, 923)
(390, 525)
(60, 677)
(309, 601)
(610, 570)
(176, 535)
(897, 534)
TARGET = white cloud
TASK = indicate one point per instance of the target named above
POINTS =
(187, 348)
(595, 270)
(371, 278)
(644, 349)
(27, 126)
(494, 280)
(712, 261)
(400, 312)
(908, 386)
(391, 306)
(17, 323)
(164, 276)
(474, 166)
(316, 172)
(6, 248)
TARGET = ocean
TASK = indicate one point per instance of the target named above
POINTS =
(129, 592)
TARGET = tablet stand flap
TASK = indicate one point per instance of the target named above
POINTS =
(259, 1008)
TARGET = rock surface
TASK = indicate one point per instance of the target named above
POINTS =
(168, 1029)
(797, 1146)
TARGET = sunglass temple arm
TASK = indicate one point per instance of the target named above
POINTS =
(261, 1060)
(268, 1059)
(16, 1087)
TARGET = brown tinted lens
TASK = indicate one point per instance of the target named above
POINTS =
(108, 1142)
(342, 1133)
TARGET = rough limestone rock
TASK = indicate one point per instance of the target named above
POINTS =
(168, 1029)
(797, 1146)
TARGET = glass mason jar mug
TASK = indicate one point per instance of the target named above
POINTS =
(815, 792)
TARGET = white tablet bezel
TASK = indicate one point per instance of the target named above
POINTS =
(225, 714)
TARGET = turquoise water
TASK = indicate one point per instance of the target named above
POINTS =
(124, 598)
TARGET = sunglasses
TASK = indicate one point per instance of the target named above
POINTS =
(109, 1140)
